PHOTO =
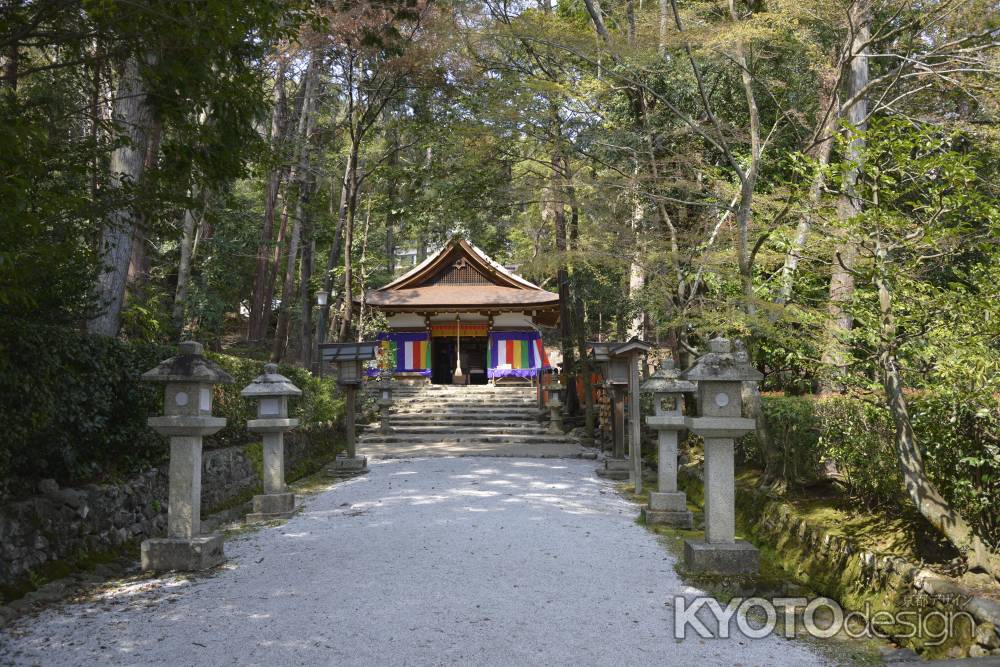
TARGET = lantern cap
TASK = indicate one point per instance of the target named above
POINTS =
(190, 365)
(270, 384)
(666, 380)
(633, 346)
(360, 351)
(599, 350)
(722, 364)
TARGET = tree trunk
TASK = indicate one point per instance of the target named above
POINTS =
(305, 276)
(335, 249)
(347, 296)
(139, 263)
(664, 22)
(422, 235)
(184, 269)
(928, 500)
(636, 271)
(840, 321)
(363, 268)
(134, 115)
(259, 309)
(11, 55)
(392, 197)
(304, 134)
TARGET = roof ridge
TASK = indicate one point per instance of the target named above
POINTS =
(454, 242)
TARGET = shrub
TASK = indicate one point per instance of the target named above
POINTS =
(958, 436)
(75, 409)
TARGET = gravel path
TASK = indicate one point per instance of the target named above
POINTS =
(433, 561)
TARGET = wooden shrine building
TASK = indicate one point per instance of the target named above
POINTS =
(460, 317)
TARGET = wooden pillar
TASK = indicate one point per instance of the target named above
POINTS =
(351, 406)
(618, 430)
(635, 423)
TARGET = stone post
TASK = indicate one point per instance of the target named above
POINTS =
(667, 505)
(187, 380)
(384, 407)
(271, 391)
(720, 375)
(555, 410)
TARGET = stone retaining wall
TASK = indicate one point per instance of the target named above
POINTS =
(834, 566)
(60, 522)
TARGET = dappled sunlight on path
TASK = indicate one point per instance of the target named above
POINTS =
(445, 560)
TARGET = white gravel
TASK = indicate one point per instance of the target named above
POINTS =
(432, 561)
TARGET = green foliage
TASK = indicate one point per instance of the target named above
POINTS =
(958, 436)
(76, 411)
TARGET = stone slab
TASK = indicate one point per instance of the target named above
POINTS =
(350, 464)
(162, 554)
(668, 518)
(668, 502)
(617, 475)
(737, 557)
(272, 506)
(617, 464)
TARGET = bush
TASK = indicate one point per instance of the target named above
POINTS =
(75, 410)
(958, 437)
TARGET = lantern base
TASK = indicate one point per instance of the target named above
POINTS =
(653, 517)
(668, 501)
(161, 554)
(350, 464)
(270, 506)
(616, 469)
(737, 557)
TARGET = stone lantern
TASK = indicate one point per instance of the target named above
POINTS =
(625, 365)
(667, 505)
(555, 406)
(350, 358)
(187, 380)
(720, 375)
(271, 392)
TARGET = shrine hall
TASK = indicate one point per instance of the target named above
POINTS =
(459, 317)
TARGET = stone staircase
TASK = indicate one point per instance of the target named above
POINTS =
(501, 421)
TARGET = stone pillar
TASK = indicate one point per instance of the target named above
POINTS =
(274, 462)
(667, 505)
(384, 408)
(720, 491)
(184, 504)
(187, 380)
(555, 410)
(720, 375)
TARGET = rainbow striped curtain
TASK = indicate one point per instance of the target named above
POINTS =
(522, 351)
(407, 351)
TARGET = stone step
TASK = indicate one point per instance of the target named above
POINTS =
(423, 402)
(462, 407)
(461, 418)
(487, 428)
(472, 438)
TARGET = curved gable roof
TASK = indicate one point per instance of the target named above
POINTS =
(460, 274)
